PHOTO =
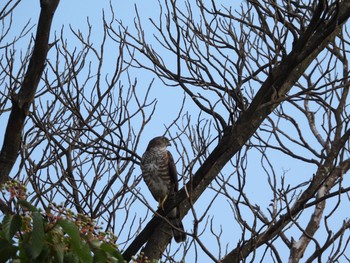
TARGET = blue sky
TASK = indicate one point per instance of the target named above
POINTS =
(75, 13)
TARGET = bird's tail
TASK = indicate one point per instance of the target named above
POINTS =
(178, 228)
(178, 231)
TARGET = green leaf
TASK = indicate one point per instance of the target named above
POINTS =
(71, 258)
(82, 250)
(11, 224)
(44, 255)
(16, 225)
(72, 230)
(6, 225)
(25, 247)
(38, 235)
(84, 253)
(112, 251)
(7, 250)
(100, 256)
(59, 253)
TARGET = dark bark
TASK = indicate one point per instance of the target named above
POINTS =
(154, 248)
(22, 101)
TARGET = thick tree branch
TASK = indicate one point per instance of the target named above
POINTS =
(22, 101)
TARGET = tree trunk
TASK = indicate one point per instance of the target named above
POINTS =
(22, 101)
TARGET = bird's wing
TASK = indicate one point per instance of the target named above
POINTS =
(173, 172)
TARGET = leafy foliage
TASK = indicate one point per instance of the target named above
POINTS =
(28, 235)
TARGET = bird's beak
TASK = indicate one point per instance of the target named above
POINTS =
(169, 144)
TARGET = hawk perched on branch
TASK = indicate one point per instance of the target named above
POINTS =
(159, 172)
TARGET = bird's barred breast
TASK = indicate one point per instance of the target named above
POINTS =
(155, 172)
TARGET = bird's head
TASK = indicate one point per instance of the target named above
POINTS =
(159, 142)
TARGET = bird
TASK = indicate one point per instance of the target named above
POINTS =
(160, 175)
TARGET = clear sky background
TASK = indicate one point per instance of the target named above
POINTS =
(75, 14)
